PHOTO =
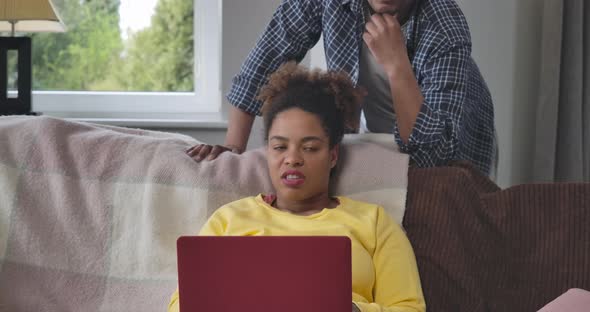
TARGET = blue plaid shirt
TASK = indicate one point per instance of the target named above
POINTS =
(456, 121)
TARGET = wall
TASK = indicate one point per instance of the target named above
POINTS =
(243, 22)
(506, 38)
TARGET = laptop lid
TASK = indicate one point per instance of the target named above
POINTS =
(264, 273)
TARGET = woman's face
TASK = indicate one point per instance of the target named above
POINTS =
(299, 156)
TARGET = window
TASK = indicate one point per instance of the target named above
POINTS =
(115, 59)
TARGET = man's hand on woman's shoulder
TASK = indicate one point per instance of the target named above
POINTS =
(209, 152)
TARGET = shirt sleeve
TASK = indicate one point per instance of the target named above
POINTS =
(434, 141)
(173, 305)
(213, 227)
(397, 284)
(294, 29)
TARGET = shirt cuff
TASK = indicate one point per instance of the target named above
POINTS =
(431, 128)
(243, 95)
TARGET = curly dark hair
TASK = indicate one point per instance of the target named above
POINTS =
(329, 95)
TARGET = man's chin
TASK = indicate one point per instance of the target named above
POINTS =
(394, 13)
(385, 9)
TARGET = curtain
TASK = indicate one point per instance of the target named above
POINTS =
(562, 142)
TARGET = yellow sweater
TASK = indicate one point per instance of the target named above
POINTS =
(384, 272)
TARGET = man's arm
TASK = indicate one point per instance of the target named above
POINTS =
(385, 39)
(239, 128)
(236, 138)
(429, 115)
(407, 98)
(434, 141)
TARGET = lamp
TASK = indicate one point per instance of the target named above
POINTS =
(22, 16)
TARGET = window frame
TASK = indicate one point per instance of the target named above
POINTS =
(206, 97)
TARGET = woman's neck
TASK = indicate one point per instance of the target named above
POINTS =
(307, 206)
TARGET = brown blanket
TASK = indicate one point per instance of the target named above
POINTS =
(480, 248)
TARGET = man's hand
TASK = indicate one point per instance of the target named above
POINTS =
(236, 138)
(385, 39)
(209, 152)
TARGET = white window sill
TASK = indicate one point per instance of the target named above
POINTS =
(148, 120)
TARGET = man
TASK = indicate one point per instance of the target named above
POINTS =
(412, 56)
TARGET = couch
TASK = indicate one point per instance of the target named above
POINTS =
(89, 216)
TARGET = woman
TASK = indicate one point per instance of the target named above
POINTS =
(305, 114)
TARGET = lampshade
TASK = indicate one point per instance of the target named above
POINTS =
(29, 16)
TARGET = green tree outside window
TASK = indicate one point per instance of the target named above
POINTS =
(93, 56)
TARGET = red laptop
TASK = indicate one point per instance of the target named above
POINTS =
(264, 274)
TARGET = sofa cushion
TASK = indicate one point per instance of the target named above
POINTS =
(479, 248)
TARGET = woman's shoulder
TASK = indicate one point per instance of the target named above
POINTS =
(359, 206)
(364, 209)
(239, 205)
(241, 201)
(350, 201)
